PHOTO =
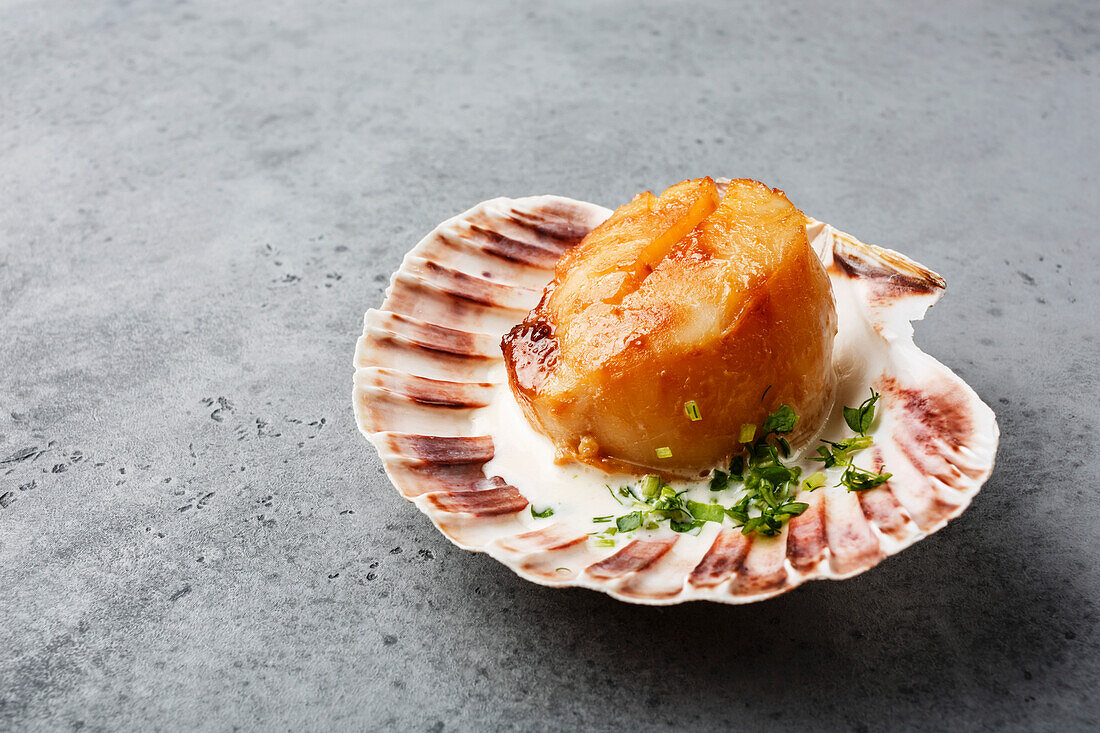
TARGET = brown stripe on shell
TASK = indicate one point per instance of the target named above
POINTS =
(414, 297)
(636, 556)
(723, 559)
(430, 336)
(379, 410)
(426, 391)
(488, 503)
(455, 248)
(513, 250)
(852, 543)
(892, 273)
(392, 352)
(558, 221)
(416, 479)
(472, 287)
(764, 569)
(881, 507)
(806, 535)
(556, 536)
(926, 500)
(520, 231)
(552, 223)
(435, 449)
(931, 424)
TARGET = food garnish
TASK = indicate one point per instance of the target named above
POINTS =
(768, 486)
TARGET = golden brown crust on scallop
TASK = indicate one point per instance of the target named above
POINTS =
(686, 297)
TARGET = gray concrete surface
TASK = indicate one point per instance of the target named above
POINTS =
(198, 200)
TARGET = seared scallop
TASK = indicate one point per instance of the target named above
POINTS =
(674, 323)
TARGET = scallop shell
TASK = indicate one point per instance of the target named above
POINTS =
(429, 360)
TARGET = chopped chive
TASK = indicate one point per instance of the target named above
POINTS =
(814, 481)
(651, 486)
(769, 389)
(784, 447)
(547, 512)
(748, 432)
(605, 542)
(664, 452)
(562, 570)
(692, 411)
(600, 520)
(794, 508)
(612, 492)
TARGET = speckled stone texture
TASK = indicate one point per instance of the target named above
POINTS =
(198, 200)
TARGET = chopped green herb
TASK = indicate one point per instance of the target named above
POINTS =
(737, 467)
(676, 526)
(857, 479)
(547, 512)
(737, 516)
(706, 512)
(769, 486)
(860, 418)
(813, 481)
(629, 522)
(605, 542)
(612, 492)
(825, 455)
(664, 452)
(839, 453)
(782, 420)
(794, 508)
(692, 411)
(601, 520)
(769, 389)
(851, 445)
(778, 473)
